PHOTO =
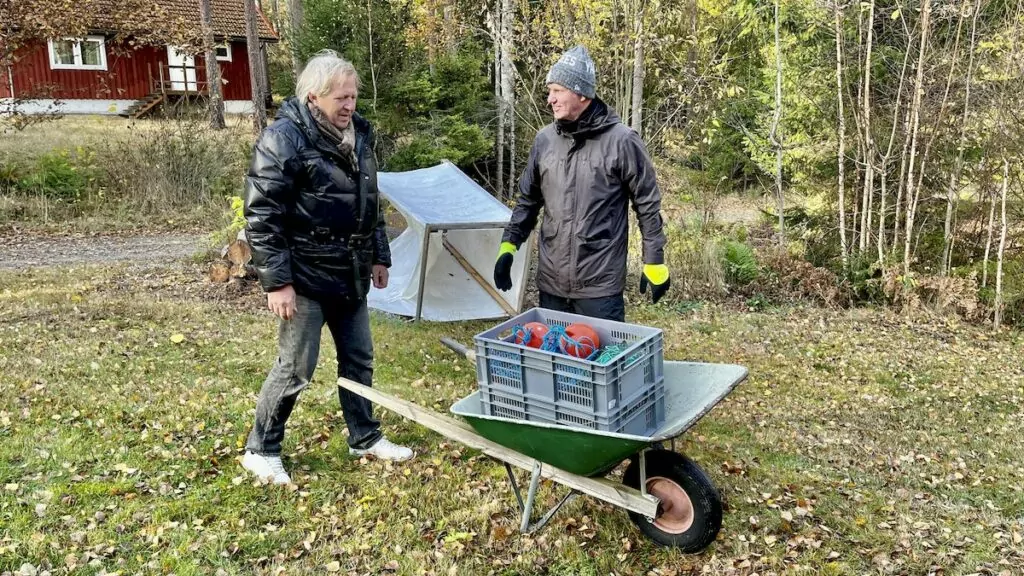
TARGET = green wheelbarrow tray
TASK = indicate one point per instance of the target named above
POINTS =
(692, 389)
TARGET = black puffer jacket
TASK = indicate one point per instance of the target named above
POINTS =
(312, 221)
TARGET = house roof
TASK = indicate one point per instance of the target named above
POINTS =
(228, 16)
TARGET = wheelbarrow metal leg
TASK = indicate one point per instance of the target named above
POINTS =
(530, 497)
(526, 508)
(544, 520)
(515, 485)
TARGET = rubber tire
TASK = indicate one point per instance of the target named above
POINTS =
(706, 501)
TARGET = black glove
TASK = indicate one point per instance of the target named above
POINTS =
(503, 272)
(657, 290)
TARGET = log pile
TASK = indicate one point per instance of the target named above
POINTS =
(235, 262)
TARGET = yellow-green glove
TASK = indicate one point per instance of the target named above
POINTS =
(657, 276)
(503, 267)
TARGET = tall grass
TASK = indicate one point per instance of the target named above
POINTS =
(118, 173)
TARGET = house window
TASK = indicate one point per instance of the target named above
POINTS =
(223, 52)
(87, 53)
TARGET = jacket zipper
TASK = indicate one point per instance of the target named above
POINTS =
(573, 248)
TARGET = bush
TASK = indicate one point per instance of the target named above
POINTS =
(739, 262)
(786, 278)
(939, 294)
(696, 263)
(178, 165)
(451, 139)
(59, 175)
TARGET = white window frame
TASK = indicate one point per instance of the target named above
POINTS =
(78, 65)
(227, 46)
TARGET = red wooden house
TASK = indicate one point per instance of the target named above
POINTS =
(98, 74)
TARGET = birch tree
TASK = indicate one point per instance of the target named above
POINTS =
(843, 247)
(998, 317)
(868, 137)
(915, 112)
(638, 69)
(953, 191)
(773, 135)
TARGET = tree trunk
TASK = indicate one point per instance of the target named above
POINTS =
(511, 152)
(915, 107)
(1002, 246)
(953, 192)
(213, 85)
(638, 72)
(868, 138)
(369, 38)
(988, 240)
(296, 15)
(499, 136)
(259, 105)
(507, 71)
(884, 168)
(774, 134)
(844, 248)
(902, 180)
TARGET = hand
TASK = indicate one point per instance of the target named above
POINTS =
(657, 276)
(282, 302)
(503, 267)
(380, 276)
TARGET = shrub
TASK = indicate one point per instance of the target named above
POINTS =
(176, 165)
(739, 262)
(786, 278)
(60, 175)
(939, 294)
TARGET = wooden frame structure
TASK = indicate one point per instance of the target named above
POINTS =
(442, 229)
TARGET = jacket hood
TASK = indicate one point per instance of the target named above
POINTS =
(597, 118)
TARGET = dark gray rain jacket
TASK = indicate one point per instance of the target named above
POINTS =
(584, 177)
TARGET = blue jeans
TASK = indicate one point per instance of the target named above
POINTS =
(298, 349)
(607, 308)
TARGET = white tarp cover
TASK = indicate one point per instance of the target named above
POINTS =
(437, 197)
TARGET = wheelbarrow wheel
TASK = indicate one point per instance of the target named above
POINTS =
(690, 512)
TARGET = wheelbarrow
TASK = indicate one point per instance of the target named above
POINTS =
(669, 497)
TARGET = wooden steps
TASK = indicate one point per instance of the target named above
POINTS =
(144, 106)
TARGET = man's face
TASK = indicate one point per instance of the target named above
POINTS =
(340, 103)
(565, 104)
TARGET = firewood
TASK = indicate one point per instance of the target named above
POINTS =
(239, 253)
(220, 272)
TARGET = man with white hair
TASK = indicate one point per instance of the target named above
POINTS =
(314, 221)
(584, 169)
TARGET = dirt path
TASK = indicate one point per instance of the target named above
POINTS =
(19, 252)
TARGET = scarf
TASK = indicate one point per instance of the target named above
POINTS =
(343, 140)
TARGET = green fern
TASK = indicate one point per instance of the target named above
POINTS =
(740, 263)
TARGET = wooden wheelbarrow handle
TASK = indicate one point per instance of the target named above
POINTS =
(459, 349)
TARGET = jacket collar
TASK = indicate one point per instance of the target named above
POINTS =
(295, 111)
(597, 118)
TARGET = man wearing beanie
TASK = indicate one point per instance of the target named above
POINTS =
(585, 169)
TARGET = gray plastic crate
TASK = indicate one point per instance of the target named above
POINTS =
(592, 388)
(641, 416)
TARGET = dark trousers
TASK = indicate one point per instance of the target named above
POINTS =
(298, 349)
(607, 307)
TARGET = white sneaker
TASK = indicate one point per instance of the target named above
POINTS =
(267, 468)
(385, 450)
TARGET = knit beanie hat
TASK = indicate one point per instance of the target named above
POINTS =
(575, 71)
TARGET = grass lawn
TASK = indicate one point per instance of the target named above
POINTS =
(862, 443)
